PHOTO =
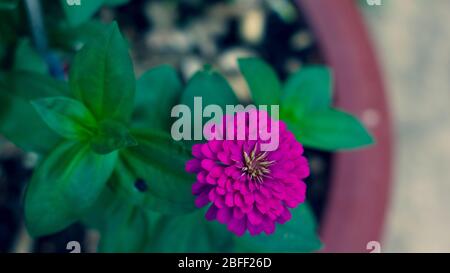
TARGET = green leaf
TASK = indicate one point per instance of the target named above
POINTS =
(19, 121)
(27, 59)
(30, 85)
(190, 233)
(123, 226)
(330, 130)
(310, 89)
(265, 88)
(157, 91)
(102, 76)
(64, 186)
(297, 235)
(78, 14)
(67, 117)
(213, 89)
(158, 163)
(306, 107)
(126, 231)
(111, 136)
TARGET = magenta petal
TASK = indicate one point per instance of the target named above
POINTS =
(202, 200)
(216, 172)
(197, 151)
(263, 208)
(278, 173)
(201, 177)
(230, 170)
(246, 208)
(288, 166)
(237, 226)
(269, 228)
(214, 145)
(229, 200)
(223, 215)
(229, 185)
(193, 166)
(237, 185)
(238, 200)
(236, 174)
(211, 180)
(238, 213)
(208, 164)
(276, 156)
(254, 229)
(226, 145)
(211, 213)
(255, 217)
(220, 191)
(285, 216)
(207, 152)
(224, 158)
(219, 202)
(222, 181)
(212, 195)
(249, 199)
(245, 187)
(198, 187)
(260, 199)
(266, 192)
(235, 148)
(279, 195)
(251, 187)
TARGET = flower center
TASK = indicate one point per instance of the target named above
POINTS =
(256, 166)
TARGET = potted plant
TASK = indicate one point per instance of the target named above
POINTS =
(139, 198)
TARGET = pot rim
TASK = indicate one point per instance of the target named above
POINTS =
(360, 180)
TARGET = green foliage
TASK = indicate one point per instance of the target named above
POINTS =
(64, 186)
(19, 122)
(187, 233)
(27, 59)
(157, 91)
(211, 87)
(111, 135)
(107, 157)
(262, 80)
(102, 76)
(158, 162)
(308, 90)
(330, 130)
(92, 118)
(297, 235)
(127, 225)
(67, 117)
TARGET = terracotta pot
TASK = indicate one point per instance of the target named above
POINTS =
(360, 180)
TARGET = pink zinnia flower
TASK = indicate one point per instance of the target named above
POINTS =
(249, 189)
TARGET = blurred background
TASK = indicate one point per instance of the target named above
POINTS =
(412, 39)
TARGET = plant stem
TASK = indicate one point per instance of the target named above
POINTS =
(34, 12)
